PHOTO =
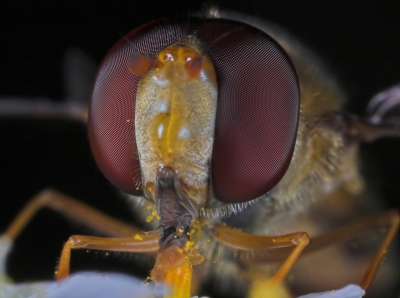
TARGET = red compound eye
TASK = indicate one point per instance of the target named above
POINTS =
(257, 112)
(257, 109)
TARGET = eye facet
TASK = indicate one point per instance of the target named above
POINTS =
(257, 107)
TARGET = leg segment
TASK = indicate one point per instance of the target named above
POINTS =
(349, 231)
(88, 216)
(245, 241)
(72, 209)
(134, 244)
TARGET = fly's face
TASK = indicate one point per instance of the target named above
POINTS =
(175, 115)
(213, 102)
(193, 115)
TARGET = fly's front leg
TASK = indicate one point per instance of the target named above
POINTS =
(250, 242)
(138, 243)
(71, 208)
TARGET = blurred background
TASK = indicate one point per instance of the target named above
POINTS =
(360, 44)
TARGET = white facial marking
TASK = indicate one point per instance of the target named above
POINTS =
(160, 130)
(162, 106)
(160, 82)
(184, 133)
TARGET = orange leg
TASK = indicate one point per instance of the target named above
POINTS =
(72, 209)
(349, 231)
(175, 268)
(88, 216)
(245, 241)
(133, 241)
(133, 244)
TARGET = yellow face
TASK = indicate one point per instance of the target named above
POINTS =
(176, 106)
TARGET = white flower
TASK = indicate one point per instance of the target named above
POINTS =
(349, 291)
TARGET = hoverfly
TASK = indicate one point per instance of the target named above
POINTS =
(149, 187)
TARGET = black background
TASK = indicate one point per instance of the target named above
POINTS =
(360, 43)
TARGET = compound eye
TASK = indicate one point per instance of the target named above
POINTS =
(257, 110)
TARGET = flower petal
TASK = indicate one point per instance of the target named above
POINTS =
(349, 291)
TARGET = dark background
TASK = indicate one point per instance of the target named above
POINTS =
(360, 43)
